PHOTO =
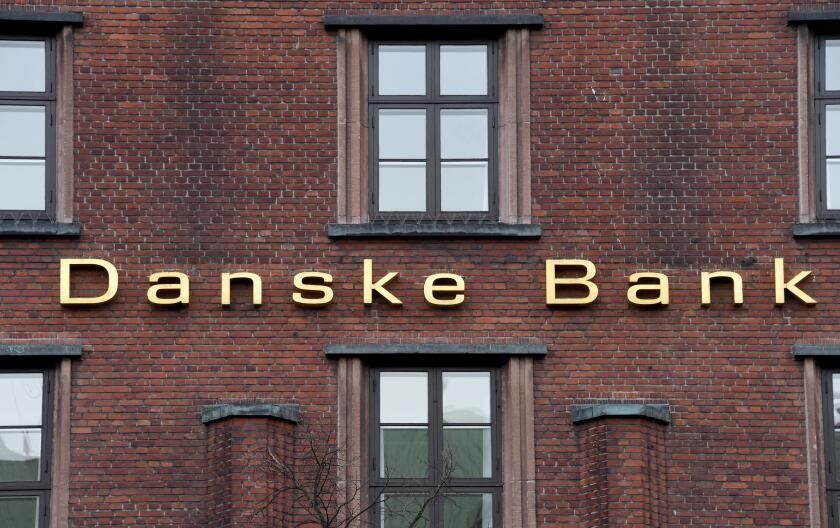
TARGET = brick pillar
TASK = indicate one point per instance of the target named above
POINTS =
(242, 487)
(623, 465)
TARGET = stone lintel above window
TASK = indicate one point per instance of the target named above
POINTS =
(29, 18)
(37, 350)
(813, 16)
(803, 350)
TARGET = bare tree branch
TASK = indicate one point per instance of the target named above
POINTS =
(309, 481)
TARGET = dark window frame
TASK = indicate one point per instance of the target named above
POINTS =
(822, 98)
(49, 99)
(492, 485)
(41, 488)
(433, 102)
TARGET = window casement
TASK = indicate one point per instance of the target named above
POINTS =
(435, 454)
(27, 127)
(433, 108)
(25, 447)
(434, 125)
(827, 111)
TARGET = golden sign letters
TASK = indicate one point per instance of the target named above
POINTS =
(568, 282)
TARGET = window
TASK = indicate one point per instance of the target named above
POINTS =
(433, 135)
(435, 447)
(827, 108)
(433, 112)
(25, 447)
(27, 127)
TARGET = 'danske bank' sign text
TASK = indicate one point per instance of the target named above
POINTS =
(568, 282)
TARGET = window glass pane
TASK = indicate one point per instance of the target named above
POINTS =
(468, 450)
(19, 512)
(402, 134)
(403, 397)
(474, 510)
(832, 183)
(402, 186)
(832, 64)
(836, 501)
(836, 453)
(402, 70)
(21, 395)
(20, 454)
(23, 63)
(24, 185)
(22, 130)
(463, 186)
(463, 70)
(403, 452)
(404, 511)
(832, 130)
(466, 397)
(835, 383)
(463, 133)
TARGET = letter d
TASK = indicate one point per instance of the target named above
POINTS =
(66, 268)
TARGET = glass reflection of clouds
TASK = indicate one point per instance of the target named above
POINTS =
(21, 397)
(20, 454)
(403, 397)
(466, 397)
(835, 383)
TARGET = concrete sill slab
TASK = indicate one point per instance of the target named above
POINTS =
(289, 412)
(657, 412)
(434, 230)
(39, 229)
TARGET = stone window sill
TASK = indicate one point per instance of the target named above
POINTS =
(454, 229)
(816, 229)
(39, 229)
(443, 349)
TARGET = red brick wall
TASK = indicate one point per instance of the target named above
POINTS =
(664, 139)
(623, 473)
(245, 483)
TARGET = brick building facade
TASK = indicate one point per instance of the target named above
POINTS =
(211, 137)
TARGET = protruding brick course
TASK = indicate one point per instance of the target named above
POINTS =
(244, 487)
(623, 466)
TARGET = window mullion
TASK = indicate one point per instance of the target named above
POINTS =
(373, 148)
(437, 504)
(433, 201)
(435, 162)
(50, 162)
(820, 66)
(435, 426)
(821, 149)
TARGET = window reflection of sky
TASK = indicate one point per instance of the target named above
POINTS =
(466, 397)
(835, 383)
(403, 397)
(20, 444)
(20, 394)
(832, 66)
